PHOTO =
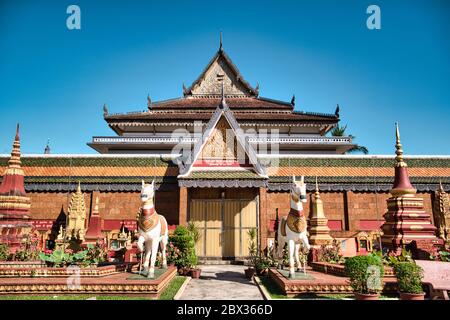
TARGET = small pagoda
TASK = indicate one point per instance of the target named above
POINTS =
(94, 232)
(442, 213)
(76, 219)
(319, 232)
(15, 222)
(407, 225)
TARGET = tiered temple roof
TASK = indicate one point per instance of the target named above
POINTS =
(149, 131)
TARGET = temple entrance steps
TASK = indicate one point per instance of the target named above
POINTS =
(219, 261)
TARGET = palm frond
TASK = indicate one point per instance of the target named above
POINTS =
(356, 149)
(338, 131)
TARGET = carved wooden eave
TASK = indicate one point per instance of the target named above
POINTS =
(219, 69)
(222, 111)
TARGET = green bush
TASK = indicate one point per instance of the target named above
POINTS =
(183, 241)
(28, 250)
(365, 273)
(409, 277)
(4, 252)
(330, 253)
(392, 259)
(95, 254)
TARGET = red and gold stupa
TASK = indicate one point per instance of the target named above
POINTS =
(14, 203)
(406, 222)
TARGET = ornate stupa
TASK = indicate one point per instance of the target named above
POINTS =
(319, 232)
(406, 222)
(76, 220)
(442, 213)
(14, 204)
(94, 232)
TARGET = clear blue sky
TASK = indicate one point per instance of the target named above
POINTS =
(55, 81)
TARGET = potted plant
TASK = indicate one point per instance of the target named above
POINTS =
(193, 259)
(262, 265)
(252, 250)
(409, 278)
(366, 275)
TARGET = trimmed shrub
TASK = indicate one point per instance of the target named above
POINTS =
(409, 277)
(183, 241)
(365, 273)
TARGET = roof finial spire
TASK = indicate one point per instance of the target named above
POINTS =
(47, 147)
(220, 47)
(149, 102)
(17, 132)
(222, 101)
(105, 110)
(336, 113)
(399, 148)
(293, 100)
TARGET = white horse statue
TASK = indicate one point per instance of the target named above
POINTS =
(293, 229)
(153, 230)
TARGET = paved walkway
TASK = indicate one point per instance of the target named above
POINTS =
(218, 282)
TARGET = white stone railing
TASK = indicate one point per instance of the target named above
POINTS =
(143, 140)
(168, 139)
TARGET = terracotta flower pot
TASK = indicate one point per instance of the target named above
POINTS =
(249, 273)
(366, 296)
(412, 296)
(195, 273)
(183, 272)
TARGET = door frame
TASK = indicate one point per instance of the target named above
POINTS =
(222, 200)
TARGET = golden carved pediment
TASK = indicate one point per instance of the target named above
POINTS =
(221, 144)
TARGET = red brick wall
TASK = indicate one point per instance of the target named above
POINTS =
(112, 205)
(365, 206)
(48, 205)
(360, 206)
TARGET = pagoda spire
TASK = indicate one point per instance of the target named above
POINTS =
(402, 184)
(14, 203)
(220, 45)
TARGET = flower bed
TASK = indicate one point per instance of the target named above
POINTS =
(92, 271)
(339, 269)
(21, 264)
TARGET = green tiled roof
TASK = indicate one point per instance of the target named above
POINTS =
(136, 161)
(223, 175)
(91, 162)
(359, 162)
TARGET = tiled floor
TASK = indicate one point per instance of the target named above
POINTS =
(219, 282)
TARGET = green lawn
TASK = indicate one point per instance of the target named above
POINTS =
(276, 293)
(167, 294)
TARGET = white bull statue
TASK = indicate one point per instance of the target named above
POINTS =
(293, 228)
(153, 231)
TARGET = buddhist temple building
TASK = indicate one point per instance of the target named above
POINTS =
(222, 156)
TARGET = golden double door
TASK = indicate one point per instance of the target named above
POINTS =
(223, 226)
